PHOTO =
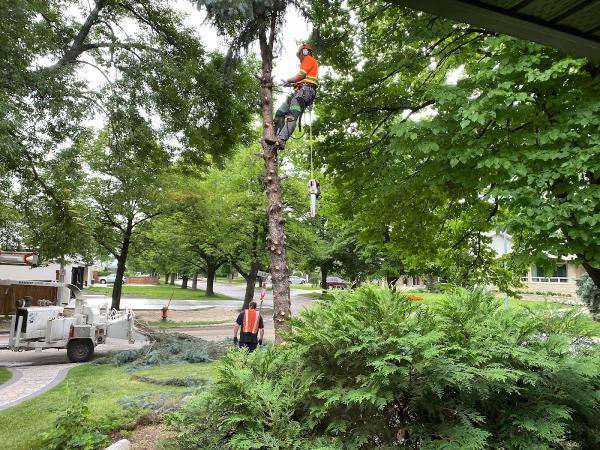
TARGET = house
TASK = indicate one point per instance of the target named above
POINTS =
(537, 280)
(74, 272)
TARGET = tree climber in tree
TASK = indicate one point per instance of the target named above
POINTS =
(305, 88)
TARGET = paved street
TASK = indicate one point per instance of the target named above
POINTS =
(298, 299)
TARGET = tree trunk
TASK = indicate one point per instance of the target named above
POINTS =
(184, 282)
(173, 275)
(61, 270)
(211, 271)
(324, 272)
(167, 277)
(121, 260)
(195, 281)
(250, 283)
(391, 281)
(593, 272)
(276, 239)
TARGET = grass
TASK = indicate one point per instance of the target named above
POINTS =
(19, 429)
(5, 375)
(193, 323)
(305, 287)
(161, 291)
(204, 370)
(236, 280)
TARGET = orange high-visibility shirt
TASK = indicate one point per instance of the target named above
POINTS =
(251, 321)
(309, 70)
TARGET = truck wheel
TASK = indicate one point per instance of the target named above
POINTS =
(80, 350)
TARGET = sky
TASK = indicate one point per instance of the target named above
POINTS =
(295, 31)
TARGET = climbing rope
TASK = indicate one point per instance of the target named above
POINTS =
(310, 142)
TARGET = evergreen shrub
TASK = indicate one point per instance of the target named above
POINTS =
(371, 369)
(167, 348)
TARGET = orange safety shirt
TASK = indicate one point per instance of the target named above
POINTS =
(251, 321)
(309, 71)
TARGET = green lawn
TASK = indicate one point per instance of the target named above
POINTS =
(204, 370)
(161, 291)
(236, 280)
(5, 375)
(21, 425)
(305, 287)
(195, 323)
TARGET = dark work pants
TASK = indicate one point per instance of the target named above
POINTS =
(291, 109)
(251, 346)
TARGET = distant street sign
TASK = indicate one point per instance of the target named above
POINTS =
(18, 258)
(263, 274)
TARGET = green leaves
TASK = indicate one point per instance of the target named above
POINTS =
(518, 130)
(371, 369)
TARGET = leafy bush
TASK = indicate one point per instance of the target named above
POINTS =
(589, 293)
(74, 429)
(370, 369)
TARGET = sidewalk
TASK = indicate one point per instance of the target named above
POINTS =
(31, 381)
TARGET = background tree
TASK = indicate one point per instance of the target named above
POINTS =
(46, 97)
(511, 144)
(127, 165)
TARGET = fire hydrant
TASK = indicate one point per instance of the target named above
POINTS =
(165, 311)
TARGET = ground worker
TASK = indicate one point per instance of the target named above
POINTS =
(253, 328)
(305, 88)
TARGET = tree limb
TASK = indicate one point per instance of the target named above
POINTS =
(76, 47)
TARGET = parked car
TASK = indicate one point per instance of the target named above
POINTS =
(336, 282)
(109, 279)
(296, 280)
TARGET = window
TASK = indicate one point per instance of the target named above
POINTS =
(539, 272)
(560, 271)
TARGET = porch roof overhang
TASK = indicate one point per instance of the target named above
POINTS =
(572, 26)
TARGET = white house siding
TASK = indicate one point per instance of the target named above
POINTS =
(45, 273)
(548, 284)
(565, 285)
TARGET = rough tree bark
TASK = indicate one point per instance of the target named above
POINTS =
(593, 272)
(121, 260)
(276, 239)
(252, 274)
(173, 275)
(167, 277)
(211, 272)
(195, 281)
(184, 282)
(324, 273)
